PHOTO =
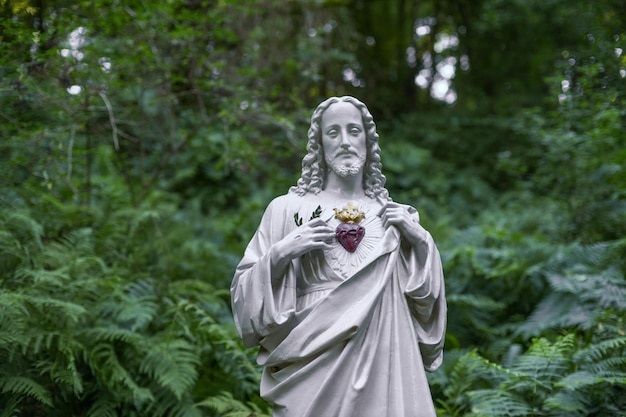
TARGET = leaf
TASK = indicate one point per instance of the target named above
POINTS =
(316, 213)
(546, 362)
(225, 404)
(496, 403)
(571, 402)
(578, 380)
(25, 386)
(172, 364)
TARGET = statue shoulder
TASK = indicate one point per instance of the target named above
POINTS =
(284, 203)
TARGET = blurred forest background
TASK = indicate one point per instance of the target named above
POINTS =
(141, 141)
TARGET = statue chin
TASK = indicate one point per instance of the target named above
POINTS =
(346, 170)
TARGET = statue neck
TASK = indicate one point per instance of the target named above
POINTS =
(349, 187)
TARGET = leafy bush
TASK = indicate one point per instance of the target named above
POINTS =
(141, 141)
(559, 378)
(100, 320)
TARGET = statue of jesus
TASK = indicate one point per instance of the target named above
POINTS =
(340, 287)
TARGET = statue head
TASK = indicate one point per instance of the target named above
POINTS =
(314, 166)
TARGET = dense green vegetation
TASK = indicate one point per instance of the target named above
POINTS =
(141, 141)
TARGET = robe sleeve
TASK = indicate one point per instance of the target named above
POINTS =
(425, 292)
(262, 305)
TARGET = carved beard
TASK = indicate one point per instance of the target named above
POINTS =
(345, 170)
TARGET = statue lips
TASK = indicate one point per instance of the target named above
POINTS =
(350, 235)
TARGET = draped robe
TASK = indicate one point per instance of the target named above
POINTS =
(342, 334)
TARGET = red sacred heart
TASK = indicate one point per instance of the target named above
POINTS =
(350, 235)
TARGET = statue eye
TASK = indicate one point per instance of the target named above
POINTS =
(355, 131)
(332, 133)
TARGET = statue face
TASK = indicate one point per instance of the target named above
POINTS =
(344, 139)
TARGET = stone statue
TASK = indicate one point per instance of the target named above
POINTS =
(340, 287)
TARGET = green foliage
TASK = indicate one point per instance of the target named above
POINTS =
(78, 326)
(551, 378)
(141, 141)
(227, 406)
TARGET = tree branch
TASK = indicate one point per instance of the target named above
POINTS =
(107, 103)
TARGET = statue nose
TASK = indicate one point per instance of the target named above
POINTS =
(345, 143)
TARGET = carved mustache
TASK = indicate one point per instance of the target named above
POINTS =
(346, 153)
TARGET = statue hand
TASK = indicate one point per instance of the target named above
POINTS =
(315, 234)
(406, 219)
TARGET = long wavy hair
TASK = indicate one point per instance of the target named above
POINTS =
(314, 168)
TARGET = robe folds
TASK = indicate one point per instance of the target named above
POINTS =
(342, 334)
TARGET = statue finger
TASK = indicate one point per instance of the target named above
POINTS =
(386, 207)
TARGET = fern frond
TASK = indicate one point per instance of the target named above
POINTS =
(607, 288)
(225, 404)
(545, 361)
(168, 405)
(577, 298)
(62, 369)
(7, 339)
(191, 287)
(600, 350)
(138, 312)
(567, 403)
(582, 392)
(596, 254)
(141, 219)
(129, 312)
(63, 251)
(89, 265)
(141, 288)
(481, 302)
(205, 295)
(610, 367)
(67, 377)
(13, 310)
(10, 406)
(105, 363)
(172, 364)
(37, 340)
(472, 371)
(103, 407)
(578, 380)
(557, 311)
(79, 241)
(23, 227)
(610, 290)
(111, 334)
(25, 386)
(42, 277)
(62, 309)
(496, 403)
(12, 252)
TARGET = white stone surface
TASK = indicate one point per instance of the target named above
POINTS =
(342, 334)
